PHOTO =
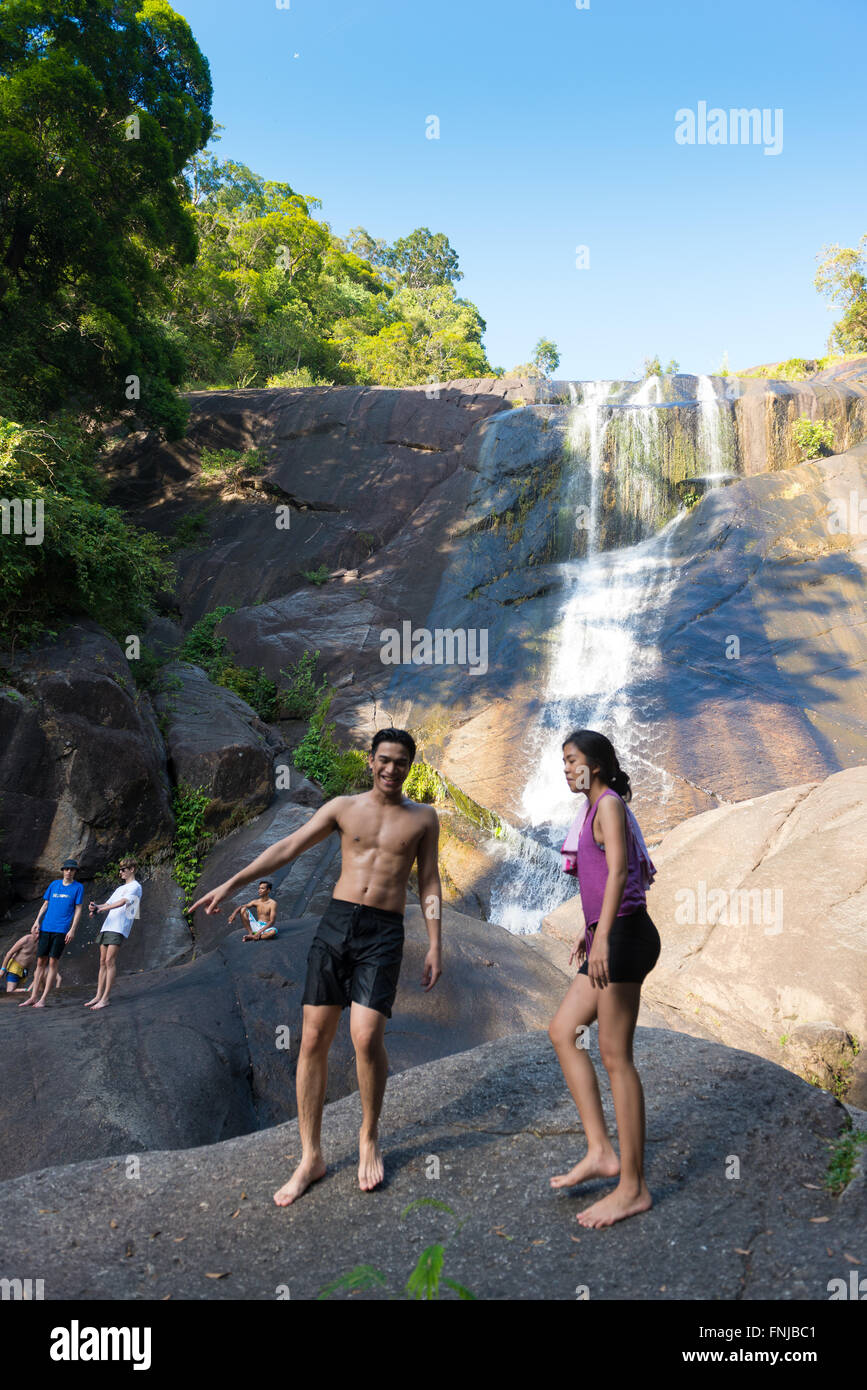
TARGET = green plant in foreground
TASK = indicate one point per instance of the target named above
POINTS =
(424, 1280)
(192, 841)
(815, 438)
(842, 1163)
(689, 497)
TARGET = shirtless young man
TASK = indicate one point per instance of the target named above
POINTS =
(356, 953)
(258, 915)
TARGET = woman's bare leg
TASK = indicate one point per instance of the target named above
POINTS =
(618, 1013)
(579, 1008)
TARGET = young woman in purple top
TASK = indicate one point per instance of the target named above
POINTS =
(620, 946)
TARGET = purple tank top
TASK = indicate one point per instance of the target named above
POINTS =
(593, 871)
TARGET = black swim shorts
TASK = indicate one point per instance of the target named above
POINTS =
(633, 948)
(50, 943)
(355, 957)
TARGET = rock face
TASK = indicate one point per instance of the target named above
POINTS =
(762, 910)
(480, 1133)
(217, 742)
(82, 766)
(195, 1052)
(749, 670)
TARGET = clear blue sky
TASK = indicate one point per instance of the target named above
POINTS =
(557, 130)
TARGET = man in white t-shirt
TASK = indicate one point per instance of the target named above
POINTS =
(122, 909)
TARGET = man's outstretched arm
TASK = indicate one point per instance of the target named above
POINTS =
(318, 828)
(430, 894)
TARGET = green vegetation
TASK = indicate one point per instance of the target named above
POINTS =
(815, 438)
(842, 278)
(318, 576)
(424, 1280)
(423, 783)
(99, 120)
(203, 647)
(842, 1162)
(546, 358)
(91, 562)
(654, 367)
(230, 465)
(189, 530)
(192, 841)
(689, 497)
(319, 757)
(300, 698)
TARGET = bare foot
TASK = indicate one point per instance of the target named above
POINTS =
(90, 1003)
(617, 1205)
(370, 1167)
(101, 1004)
(595, 1165)
(27, 1002)
(37, 1003)
(309, 1171)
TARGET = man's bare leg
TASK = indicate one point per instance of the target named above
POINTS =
(317, 1035)
(367, 1027)
(618, 1012)
(100, 979)
(36, 984)
(50, 977)
(108, 977)
(579, 1008)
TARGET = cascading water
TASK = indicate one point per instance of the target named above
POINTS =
(611, 616)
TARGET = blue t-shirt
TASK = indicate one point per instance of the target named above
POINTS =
(63, 899)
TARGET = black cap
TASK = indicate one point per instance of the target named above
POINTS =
(69, 864)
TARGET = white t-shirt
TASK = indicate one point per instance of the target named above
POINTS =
(120, 919)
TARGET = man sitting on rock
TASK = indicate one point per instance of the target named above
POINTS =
(17, 964)
(356, 953)
(261, 926)
(54, 928)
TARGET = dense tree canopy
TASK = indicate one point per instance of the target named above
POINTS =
(102, 103)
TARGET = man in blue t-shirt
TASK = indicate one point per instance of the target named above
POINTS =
(55, 927)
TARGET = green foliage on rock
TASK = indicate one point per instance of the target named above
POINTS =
(423, 783)
(299, 699)
(192, 841)
(319, 757)
(204, 647)
(319, 576)
(90, 562)
(815, 438)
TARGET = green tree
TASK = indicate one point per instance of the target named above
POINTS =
(91, 219)
(546, 358)
(423, 259)
(842, 278)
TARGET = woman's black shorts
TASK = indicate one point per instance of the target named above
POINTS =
(355, 957)
(633, 948)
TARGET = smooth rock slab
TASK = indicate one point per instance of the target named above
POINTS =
(499, 1120)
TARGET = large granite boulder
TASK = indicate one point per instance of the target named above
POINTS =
(82, 764)
(216, 741)
(762, 910)
(191, 1053)
(737, 1157)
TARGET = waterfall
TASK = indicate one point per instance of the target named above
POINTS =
(611, 615)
